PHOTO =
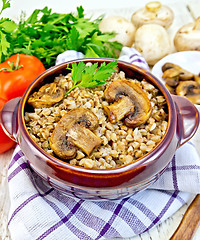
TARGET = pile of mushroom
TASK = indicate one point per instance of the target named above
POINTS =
(182, 82)
(188, 37)
(153, 12)
(124, 29)
(75, 129)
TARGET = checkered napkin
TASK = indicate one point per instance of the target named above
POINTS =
(39, 211)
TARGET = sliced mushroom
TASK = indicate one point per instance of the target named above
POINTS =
(189, 89)
(153, 12)
(139, 104)
(172, 82)
(172, 90)
(197, 78)
(171, 76)
(175, 71)
(48, 95)
(169, 65)
(74, 130)
(194, 98)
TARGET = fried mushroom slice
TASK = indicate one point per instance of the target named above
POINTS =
(190, 90)
(172, 73)
(74, 130)
(48, 95)
(136, 110)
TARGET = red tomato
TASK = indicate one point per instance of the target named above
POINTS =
(16, 74)
(5, 142)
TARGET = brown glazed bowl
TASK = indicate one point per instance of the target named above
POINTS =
(115, 183)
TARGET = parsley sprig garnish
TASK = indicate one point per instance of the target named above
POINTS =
(91, 75)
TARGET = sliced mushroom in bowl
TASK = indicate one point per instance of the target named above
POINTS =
(105, 158)
(180, 72)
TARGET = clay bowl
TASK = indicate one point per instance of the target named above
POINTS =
(98, 184)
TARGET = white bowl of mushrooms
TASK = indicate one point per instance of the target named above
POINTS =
(180, 73)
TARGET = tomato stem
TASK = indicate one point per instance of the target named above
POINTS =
(13, 66)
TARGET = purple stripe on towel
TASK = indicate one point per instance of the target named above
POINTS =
(169, 193)
(134, 55)
(184, 168)
(108, 225)
(17, 156)
(164, 210)
(17, 170)
(174, 177)
(27, 201)
(63, 220)
(138, 60)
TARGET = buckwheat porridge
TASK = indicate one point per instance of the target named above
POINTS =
(87, 128)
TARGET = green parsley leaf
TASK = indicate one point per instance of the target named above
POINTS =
(8, 26)
(46, 34)
(6, 4)
(92, 75)
(4, 45)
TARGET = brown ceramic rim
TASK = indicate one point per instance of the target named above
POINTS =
(147, 158)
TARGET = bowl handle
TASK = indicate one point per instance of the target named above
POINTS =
(188, 118)
(8, 118)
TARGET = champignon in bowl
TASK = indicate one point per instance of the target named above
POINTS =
(180, 72)
(103, 142)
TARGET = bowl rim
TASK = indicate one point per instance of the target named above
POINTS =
(146, 159)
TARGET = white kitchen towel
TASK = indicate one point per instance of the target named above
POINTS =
(39, 211)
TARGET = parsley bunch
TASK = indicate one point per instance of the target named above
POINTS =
(90, 76)
(45, 35)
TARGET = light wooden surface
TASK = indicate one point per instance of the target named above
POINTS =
(185, 11)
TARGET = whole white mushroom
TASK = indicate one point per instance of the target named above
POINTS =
(124, 29)
(187, 37)
(153, 12)
(153, 42)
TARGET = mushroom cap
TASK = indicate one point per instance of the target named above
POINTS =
(124, 29)
(173, 73)
(187, 37)
(153, 12)
(190, 90)
(153, 42)
(48, 95)
(140, 109)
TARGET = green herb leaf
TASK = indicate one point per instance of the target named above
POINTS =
(45, 35)
(4, 45)
(6, 4)
(8, 26)
(90, 76)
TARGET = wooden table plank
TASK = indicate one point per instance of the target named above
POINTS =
(4, 194)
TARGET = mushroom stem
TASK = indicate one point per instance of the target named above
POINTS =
(197, 24)
(153, 6)
(83, 138)
(118, 110)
